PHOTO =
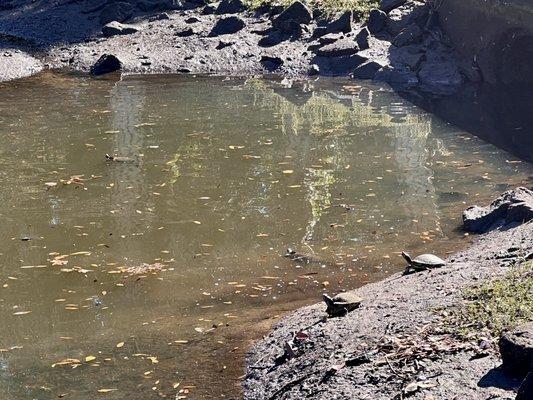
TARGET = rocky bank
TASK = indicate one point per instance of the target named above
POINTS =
(400, 43)
(393, 346)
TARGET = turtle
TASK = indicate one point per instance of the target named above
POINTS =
(341, 304)
(119, 159)
(422, 262)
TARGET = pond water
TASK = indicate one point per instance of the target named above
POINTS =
(226, 175)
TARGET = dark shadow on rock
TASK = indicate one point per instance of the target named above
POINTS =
(500, 115)
(498, 379)
(341, 65)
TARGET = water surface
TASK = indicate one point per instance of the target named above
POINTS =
(227, 174)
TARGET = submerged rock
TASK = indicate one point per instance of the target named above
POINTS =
(515, 205)
(116, 28)
(106, 63)
(516, 350)
(227, 26)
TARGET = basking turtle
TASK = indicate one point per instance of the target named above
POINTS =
(342, 303)
(422, 262)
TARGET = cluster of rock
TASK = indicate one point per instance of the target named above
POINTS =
(400, 43)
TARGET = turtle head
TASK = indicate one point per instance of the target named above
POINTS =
(108, 157)
(407, 257)
(328, 300)
(290, 252)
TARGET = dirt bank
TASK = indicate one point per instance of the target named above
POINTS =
(400, 43)
(391, 347)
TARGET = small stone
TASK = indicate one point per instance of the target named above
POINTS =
(106, 63)
(116, 28)
(516, 350)
(192, 20)
(227, 26)
(271, 63)
(377, 20)
(222, 44)
(314, 69)
(184, 32)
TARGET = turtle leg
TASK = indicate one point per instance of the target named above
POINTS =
(407, 270)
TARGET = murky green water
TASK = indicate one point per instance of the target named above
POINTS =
(228, 174)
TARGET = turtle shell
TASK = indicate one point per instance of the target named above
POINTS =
(348, 298)
(428, 261)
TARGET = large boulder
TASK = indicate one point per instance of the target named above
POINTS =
(341, 47)
(525, 392)
(362, 39)
(409, 35)
(116, 28)
(297, 12)
(389, 5)
(118, 11)
(515, 205)
(367, 70)
(412, 12)
(396, 76)
(440, 74)
(516, 350)
(106, 63)
(341, 24)
(376, 22)
(227, 26)
(159, 5)
(230, 7)
(409, 56)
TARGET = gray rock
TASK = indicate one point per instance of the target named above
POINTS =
(396, 76)
(367, 70)
(410, 13)
(106, 63)
(330, 38)
(389, 5)
(119, 11)
(362, 39)
(409, 56)
(159, 17)
(516, 350)
(440, 74)
(342, 24)
(409, 35)
(227, 26)
(271, 63)
(116, 28)
(515, 205)
(230, 7)
(341, 47)
(525, 392)
(297, 12)
(377, 20)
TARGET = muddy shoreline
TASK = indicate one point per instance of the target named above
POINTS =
(351, 356)
(400, 43)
